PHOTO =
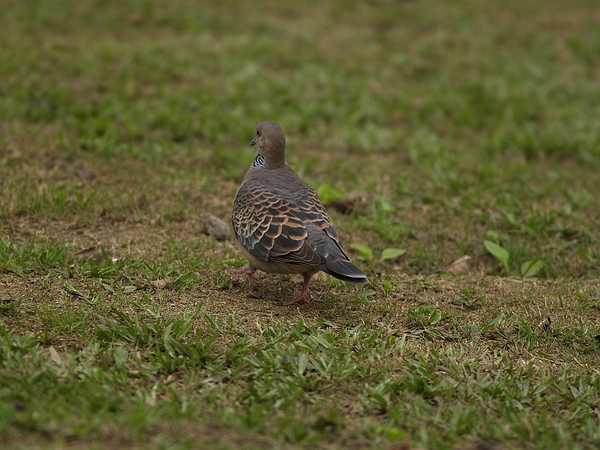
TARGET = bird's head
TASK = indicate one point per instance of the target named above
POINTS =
(270, 145)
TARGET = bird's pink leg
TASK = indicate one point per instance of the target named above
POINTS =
(249, 272)
(303, 297)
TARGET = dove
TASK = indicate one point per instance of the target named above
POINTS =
(281, 224)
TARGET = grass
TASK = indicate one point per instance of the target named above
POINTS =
(454, 129)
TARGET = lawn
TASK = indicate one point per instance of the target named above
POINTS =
(447, 129)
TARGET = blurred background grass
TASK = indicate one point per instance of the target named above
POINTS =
(443, 120)
(483, 79)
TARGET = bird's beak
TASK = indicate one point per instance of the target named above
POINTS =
(253, 142)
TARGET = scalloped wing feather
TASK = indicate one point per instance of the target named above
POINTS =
(274, 228)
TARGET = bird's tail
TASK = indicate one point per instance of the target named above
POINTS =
(345, 271)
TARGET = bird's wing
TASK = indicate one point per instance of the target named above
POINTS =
(273, 228)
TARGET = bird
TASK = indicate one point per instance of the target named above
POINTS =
(281, 224)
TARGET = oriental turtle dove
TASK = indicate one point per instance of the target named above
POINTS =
(280, 223)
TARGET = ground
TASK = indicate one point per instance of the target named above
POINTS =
(444, 129)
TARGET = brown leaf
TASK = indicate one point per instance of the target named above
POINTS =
(343, 206)
(466, 264)
(101, 320)
(161, 284)
(460, 265)
(54, 356)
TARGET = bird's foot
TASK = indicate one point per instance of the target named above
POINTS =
(252, 278)
(248, 271)
(302, 298)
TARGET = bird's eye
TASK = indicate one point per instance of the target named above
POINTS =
(258, 132)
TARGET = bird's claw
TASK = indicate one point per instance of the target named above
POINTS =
(301, 299)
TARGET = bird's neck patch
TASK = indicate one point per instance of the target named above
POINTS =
(259, 162)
